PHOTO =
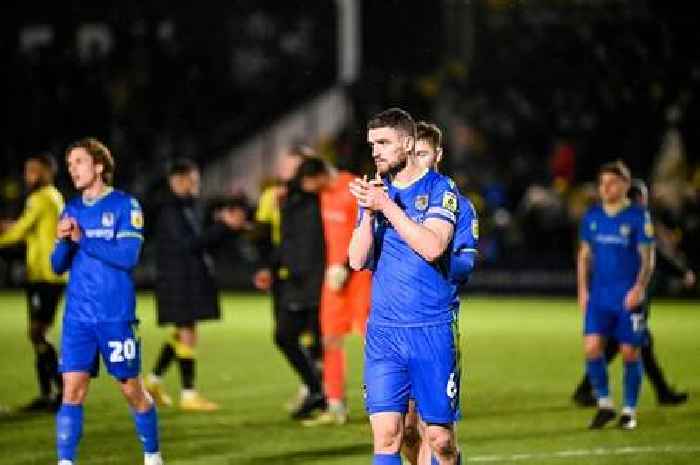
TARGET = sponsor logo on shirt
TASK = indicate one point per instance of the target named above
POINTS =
(611, 239)
(107, 219)
(98, 233)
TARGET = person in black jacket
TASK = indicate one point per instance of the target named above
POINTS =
(300, 266)
(185, 286)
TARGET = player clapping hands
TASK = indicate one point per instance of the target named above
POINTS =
(371, 194)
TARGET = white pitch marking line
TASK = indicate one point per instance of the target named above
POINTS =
(628, 450)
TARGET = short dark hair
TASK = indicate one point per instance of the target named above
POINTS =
(429, 132)
(47, 161)
(394, 118)
(100, 155)
(312, 166)
(617, 168)
(182, 166)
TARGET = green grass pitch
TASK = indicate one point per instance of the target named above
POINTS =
(521, 357)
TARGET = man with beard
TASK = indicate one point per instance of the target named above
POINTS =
(36, 227)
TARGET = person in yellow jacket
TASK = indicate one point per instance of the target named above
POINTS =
(36, 227)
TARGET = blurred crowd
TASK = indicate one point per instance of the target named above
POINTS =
(549, 94)
(153, 82)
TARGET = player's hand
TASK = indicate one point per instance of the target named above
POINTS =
(263, 279)
(377, 181)
(336, 276)
(371, 195)
(358, 187)
(63, 228)
(634, 297)
(75, 233)
(583, 299)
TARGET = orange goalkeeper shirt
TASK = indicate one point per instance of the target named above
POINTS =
(339, 212)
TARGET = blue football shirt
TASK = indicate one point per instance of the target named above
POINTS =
(100, 285)
(406, 289)
(614, 242)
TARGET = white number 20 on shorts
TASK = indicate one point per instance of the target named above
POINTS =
(122, 350)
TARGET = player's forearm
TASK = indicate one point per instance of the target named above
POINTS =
(421, 239)
(647, 256)
(62, 256)
(18, 231)
(121, 253)
(361, 243)
(582, 270)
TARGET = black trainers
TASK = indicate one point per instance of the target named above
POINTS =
(584, 399)
(311, 403)
(672, 398)
(602, 417)
(627, 421)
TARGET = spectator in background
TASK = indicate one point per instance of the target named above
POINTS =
(37, 228)
(299, 265)
(186, 291)
(267, 237)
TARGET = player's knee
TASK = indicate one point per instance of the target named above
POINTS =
(134, 394)
(74, 393)
(388, 438)
(592, 348)
(441, 441)
(130, 390)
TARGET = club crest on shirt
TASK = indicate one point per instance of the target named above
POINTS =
(625, 230)
(449, 201)
(594, 226)
(107, 219)
(137, 219)
(421, 202)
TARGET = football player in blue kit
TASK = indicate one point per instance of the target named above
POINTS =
(404, 235)
(615, 263)
(429, 154)
(99, 241)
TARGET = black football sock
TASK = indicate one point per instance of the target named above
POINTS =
(43, 374)
(166, 356)
(187, 372)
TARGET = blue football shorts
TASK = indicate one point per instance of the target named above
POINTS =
(612, 320)
(421, 363)
(116, 342)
